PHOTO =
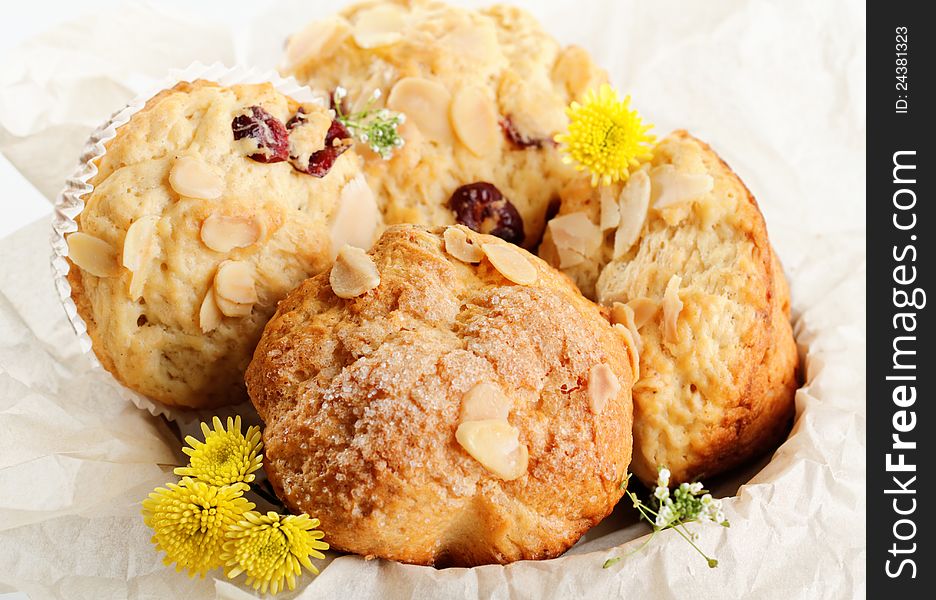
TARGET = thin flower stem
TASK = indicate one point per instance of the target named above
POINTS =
(674, 512)
(268, 495)
(688, 537)
(642, 507)
(612, 561)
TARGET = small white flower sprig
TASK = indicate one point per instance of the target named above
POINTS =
(376, 127)
(688, 503)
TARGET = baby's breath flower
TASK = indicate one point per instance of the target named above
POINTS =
(675, 509)
(605, 137)
(663, 476)
(377, 128)
(664, 517)
(271, 548)
(189, 522)
(226, 456)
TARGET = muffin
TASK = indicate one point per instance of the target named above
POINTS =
(680, 254)
(447, 400)
(483, 91)
(208, 206)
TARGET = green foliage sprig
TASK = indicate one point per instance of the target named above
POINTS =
(687, 503)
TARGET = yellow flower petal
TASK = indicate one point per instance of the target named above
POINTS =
(271, 549)
(226, 456)
(605, 137)
(189, 522)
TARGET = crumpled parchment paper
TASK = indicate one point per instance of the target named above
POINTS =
(777, 88)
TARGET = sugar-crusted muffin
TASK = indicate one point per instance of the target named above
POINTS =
(208, 206)
(680, 254)
(483, 91)
(428, 408)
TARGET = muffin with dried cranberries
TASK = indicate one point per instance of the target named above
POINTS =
(483, 91)
(208, 206)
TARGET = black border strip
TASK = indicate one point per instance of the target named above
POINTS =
(901, 223)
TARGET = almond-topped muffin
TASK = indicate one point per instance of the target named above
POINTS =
(483, 91)
(448, 399)
(680, 255)
(208, 206)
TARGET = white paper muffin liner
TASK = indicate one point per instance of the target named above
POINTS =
(69, 204)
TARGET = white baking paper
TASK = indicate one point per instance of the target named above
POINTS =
(777, 88)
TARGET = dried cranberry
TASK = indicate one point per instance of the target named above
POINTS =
(480, 206)
(337, 141)
(297, 119)
(266, 131)
(518, 139)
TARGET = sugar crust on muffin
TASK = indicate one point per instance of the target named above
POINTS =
(366, 400)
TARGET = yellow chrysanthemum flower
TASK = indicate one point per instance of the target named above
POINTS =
(605, 137)
(270, 548)
(226, 456)
(189, 522)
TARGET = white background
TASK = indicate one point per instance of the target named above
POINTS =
(21, 202)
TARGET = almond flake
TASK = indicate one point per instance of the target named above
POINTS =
(357, 217)
(191, 177)
(632, 204)
(354, 273)
(139, 244)
(569, 258)
(575, 232)
(511, 263)
(623, 314)
(234, 282)
(319, 40)
(672, 187)
(459, 244)
(223, 233)
(232, 309)
(603, 385)
(496, 445)
(475, 120)
(633, 354)
(483, 402)
(610, 211)
(672, 306)
(476, 41)
(139, 241)
(209, 315)
(574, 66)
(93, 255)
(379, 26)
(644, 310)
(426, 105)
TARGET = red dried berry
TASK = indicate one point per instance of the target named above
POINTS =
(266, 131)
(518, 139)
(480, 206)
(337, 141)
(297, 119)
